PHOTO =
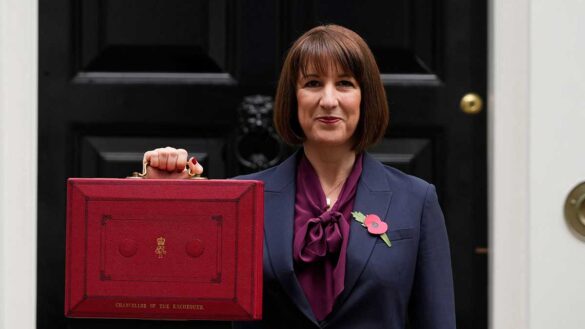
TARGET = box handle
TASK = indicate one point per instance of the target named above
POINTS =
(144, 173)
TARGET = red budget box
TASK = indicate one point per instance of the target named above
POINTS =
(164, 249)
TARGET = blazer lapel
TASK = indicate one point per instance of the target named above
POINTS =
(278, 230)
(372, 197)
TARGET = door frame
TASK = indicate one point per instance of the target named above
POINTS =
(18, 162)
(508, 99)
(508, 162)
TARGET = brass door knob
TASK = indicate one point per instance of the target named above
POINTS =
(575, 208)
(471, 103)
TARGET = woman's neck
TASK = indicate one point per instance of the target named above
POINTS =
(333, 165)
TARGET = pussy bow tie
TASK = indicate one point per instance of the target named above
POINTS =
(319, 237)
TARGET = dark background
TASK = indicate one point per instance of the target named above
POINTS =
(118, 77)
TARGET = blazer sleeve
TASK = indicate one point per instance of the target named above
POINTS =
(432, 304)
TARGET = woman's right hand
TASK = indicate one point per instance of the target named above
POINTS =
(170, 163)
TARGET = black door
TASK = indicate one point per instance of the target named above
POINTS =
(118, 77)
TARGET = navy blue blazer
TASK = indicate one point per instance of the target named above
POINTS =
(384, 287)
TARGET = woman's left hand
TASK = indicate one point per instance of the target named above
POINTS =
(170, 163)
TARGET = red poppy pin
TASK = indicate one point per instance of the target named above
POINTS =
(374, 225)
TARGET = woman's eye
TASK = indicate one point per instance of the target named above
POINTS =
(312, 83)
(346, 83)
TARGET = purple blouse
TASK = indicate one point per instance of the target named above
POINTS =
(321, 236)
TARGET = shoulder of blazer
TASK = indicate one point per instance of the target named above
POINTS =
(261, 175)
(277, 178)
(400, 182)
(399, 178)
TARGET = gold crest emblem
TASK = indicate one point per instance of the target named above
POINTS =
(160, 247)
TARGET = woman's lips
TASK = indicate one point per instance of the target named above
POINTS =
(328, 120)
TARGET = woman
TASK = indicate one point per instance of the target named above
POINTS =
(324, 266)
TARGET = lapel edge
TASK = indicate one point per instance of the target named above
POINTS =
(278, 230)
(373, 196)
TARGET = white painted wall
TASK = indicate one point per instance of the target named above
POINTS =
(537, 122)
(18, 159)
(557, 161)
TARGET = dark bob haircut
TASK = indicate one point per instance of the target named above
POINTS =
(319, 48)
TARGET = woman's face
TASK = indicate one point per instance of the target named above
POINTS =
(328, 107)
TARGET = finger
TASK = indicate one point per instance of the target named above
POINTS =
(181, 160)
(194, 166)
(163, 156)
(153, 160)
(172, 159)
(147, 156)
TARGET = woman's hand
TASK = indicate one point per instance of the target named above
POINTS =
(170, 163)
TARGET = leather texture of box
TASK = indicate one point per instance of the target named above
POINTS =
(164, 249)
